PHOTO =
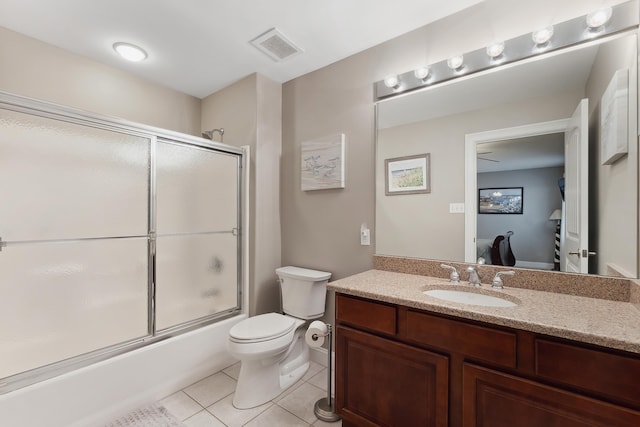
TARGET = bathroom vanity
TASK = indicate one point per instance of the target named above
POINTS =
(407, 359)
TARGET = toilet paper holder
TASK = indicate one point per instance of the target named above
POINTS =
(324, 408)
(316, 336)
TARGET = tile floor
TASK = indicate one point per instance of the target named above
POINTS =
(207, 403)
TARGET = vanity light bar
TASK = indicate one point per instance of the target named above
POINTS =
(569, 33)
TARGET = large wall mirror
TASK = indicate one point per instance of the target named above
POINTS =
(532, 151)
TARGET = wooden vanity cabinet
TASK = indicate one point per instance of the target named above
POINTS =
(398, 366)
(383, 382)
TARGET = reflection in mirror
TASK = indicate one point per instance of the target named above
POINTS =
(537, 163)
(517, 124)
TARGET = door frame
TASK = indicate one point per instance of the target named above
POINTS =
(471, 141)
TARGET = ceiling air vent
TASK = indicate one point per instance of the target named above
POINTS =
(276, 45)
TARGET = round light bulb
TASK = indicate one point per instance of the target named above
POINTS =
(542, 36)
(421, 73)
(495, 50)
(392, 82)
(599, 17)
(130, 52)
(455, 62)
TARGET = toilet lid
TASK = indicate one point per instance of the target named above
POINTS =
(262, 327)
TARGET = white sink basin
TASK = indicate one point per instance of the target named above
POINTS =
(469, 298)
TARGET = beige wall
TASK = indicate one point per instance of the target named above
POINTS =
(321, 229)
(613, 189)
(268, 238)
(401, 219)
(38, 70)
(250, 113)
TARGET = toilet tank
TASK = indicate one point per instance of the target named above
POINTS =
(304, 291)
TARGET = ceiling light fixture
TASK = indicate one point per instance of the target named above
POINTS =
(130, 52)
(422, 73)
(455, 62)
(598, 18)
(542, 37)
(392, 82)
(495, 50)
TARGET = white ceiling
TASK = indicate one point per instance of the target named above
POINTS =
(541, 151)
(200, 46)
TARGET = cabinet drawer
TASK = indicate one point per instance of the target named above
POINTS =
(605, 374)
(366, 314)
(473, 341)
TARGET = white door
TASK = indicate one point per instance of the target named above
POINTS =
(574, 252)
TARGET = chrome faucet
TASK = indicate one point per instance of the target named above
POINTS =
(474, 279)
(497, 280)
(454, 277)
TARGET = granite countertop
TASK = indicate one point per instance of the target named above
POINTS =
(613, 324)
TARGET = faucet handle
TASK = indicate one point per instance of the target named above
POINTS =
(454, 277)
(497, 280)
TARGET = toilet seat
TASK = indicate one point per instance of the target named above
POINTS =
(263, 327)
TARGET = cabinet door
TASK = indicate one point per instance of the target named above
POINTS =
(385, 383)
(494, 399)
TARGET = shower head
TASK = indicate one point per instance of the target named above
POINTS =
(208, 134)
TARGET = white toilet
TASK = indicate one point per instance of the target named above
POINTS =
(271, 346)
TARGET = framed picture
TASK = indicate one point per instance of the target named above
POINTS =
(408, 175)
(500, 200)
(322, 163)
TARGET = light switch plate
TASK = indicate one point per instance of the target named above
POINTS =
(456, 207)
(365, 239)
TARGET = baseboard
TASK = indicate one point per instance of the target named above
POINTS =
(534, 264)
(617, 271)
(319, 356)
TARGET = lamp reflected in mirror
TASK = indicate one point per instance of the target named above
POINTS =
(440, 118)
(556, 216)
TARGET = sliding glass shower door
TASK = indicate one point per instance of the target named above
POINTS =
(112, 236)
(73, 213)
(197, 229)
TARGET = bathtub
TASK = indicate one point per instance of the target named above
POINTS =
(96, 394)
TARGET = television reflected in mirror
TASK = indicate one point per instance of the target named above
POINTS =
(519, 126)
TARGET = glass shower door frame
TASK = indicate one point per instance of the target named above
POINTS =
(56, 112)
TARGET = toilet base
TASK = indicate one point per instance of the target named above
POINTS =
(262, 380)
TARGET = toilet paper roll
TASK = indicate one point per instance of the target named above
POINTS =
(316, 334)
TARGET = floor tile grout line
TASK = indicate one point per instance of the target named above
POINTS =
(303, 420)
(285, 409)
(189, 396)
(229, 376)
(270, 406)
(204, 410)
(272, 402)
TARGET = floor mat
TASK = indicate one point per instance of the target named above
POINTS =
(149, 416)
